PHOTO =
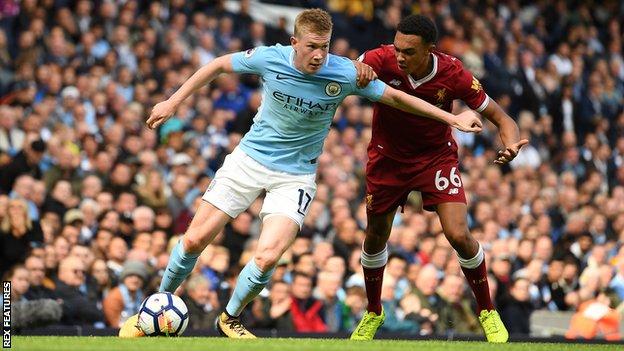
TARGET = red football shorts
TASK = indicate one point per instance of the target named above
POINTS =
(435, 175)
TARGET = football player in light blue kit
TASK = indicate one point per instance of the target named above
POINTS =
(302, 88)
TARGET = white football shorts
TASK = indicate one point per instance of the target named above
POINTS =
(241, 179)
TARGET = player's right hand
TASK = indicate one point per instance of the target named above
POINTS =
(160, 114)
(468, 121)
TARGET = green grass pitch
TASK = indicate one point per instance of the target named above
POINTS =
(273, 344)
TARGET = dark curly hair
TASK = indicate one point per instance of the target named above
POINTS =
(419, 25)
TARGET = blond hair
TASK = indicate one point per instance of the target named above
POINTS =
(314, 21)
(7, 223)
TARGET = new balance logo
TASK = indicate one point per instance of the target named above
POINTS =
(453, 191)
(395, 82)
(479, 281)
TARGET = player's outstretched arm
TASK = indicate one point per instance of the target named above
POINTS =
(467, 121)
(164, 110)
(509, 133)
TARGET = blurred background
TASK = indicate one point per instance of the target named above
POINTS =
(91, 200)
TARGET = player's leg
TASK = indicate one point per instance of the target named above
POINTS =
(385, 192)
(277, 235)
(206, 224)
(470, 254)
(286, 203)
(375, 256)
(373, 259)
(471, 259)
(232, 190)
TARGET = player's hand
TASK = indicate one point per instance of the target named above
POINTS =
(505, 156)
(468, 121)
(365, 74)
(160, 114)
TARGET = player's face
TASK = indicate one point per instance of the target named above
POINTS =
(412, 52)
(310, 51)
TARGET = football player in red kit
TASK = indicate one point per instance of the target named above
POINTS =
(408, 154)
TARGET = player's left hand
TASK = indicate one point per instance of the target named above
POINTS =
(505, 156)
(365, 74)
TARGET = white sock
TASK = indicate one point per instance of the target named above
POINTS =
(374, 261)
(474, 262)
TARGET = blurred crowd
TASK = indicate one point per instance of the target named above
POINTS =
(91, 200)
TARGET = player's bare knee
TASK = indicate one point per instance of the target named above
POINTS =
(266, 259)
(193, 242)
(457, 237)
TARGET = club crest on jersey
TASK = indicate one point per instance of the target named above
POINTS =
(369, 201)
(333, 89)
(440, 95)
(395, 82)
(476, 85)
(250, 52)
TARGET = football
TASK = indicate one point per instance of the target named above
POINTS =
(163, 314)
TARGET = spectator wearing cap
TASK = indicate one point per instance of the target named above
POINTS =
(124, 300)
(76, 219)
(77, 308)
(26, 161)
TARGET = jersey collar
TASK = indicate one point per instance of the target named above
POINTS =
(416, 83)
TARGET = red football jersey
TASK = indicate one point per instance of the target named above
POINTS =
(403, 136)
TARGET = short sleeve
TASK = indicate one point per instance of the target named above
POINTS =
(251, 61)
(373, 91)
(471, 91)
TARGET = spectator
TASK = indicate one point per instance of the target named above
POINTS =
(390, 306)
(26, 161)
(202, 303)
(100, 273)
(76, 84)
(458, 316)
(306, 310)
(37, 280)
(516, 312)
(29, 312)
(425, 290)
(18, 234)
(273, 312)
(77, 309)
(125, 299)
(328, 285)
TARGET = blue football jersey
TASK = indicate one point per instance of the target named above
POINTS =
(297, 108)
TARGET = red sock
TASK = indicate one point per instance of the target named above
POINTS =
(477, 279)
(373, 278)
